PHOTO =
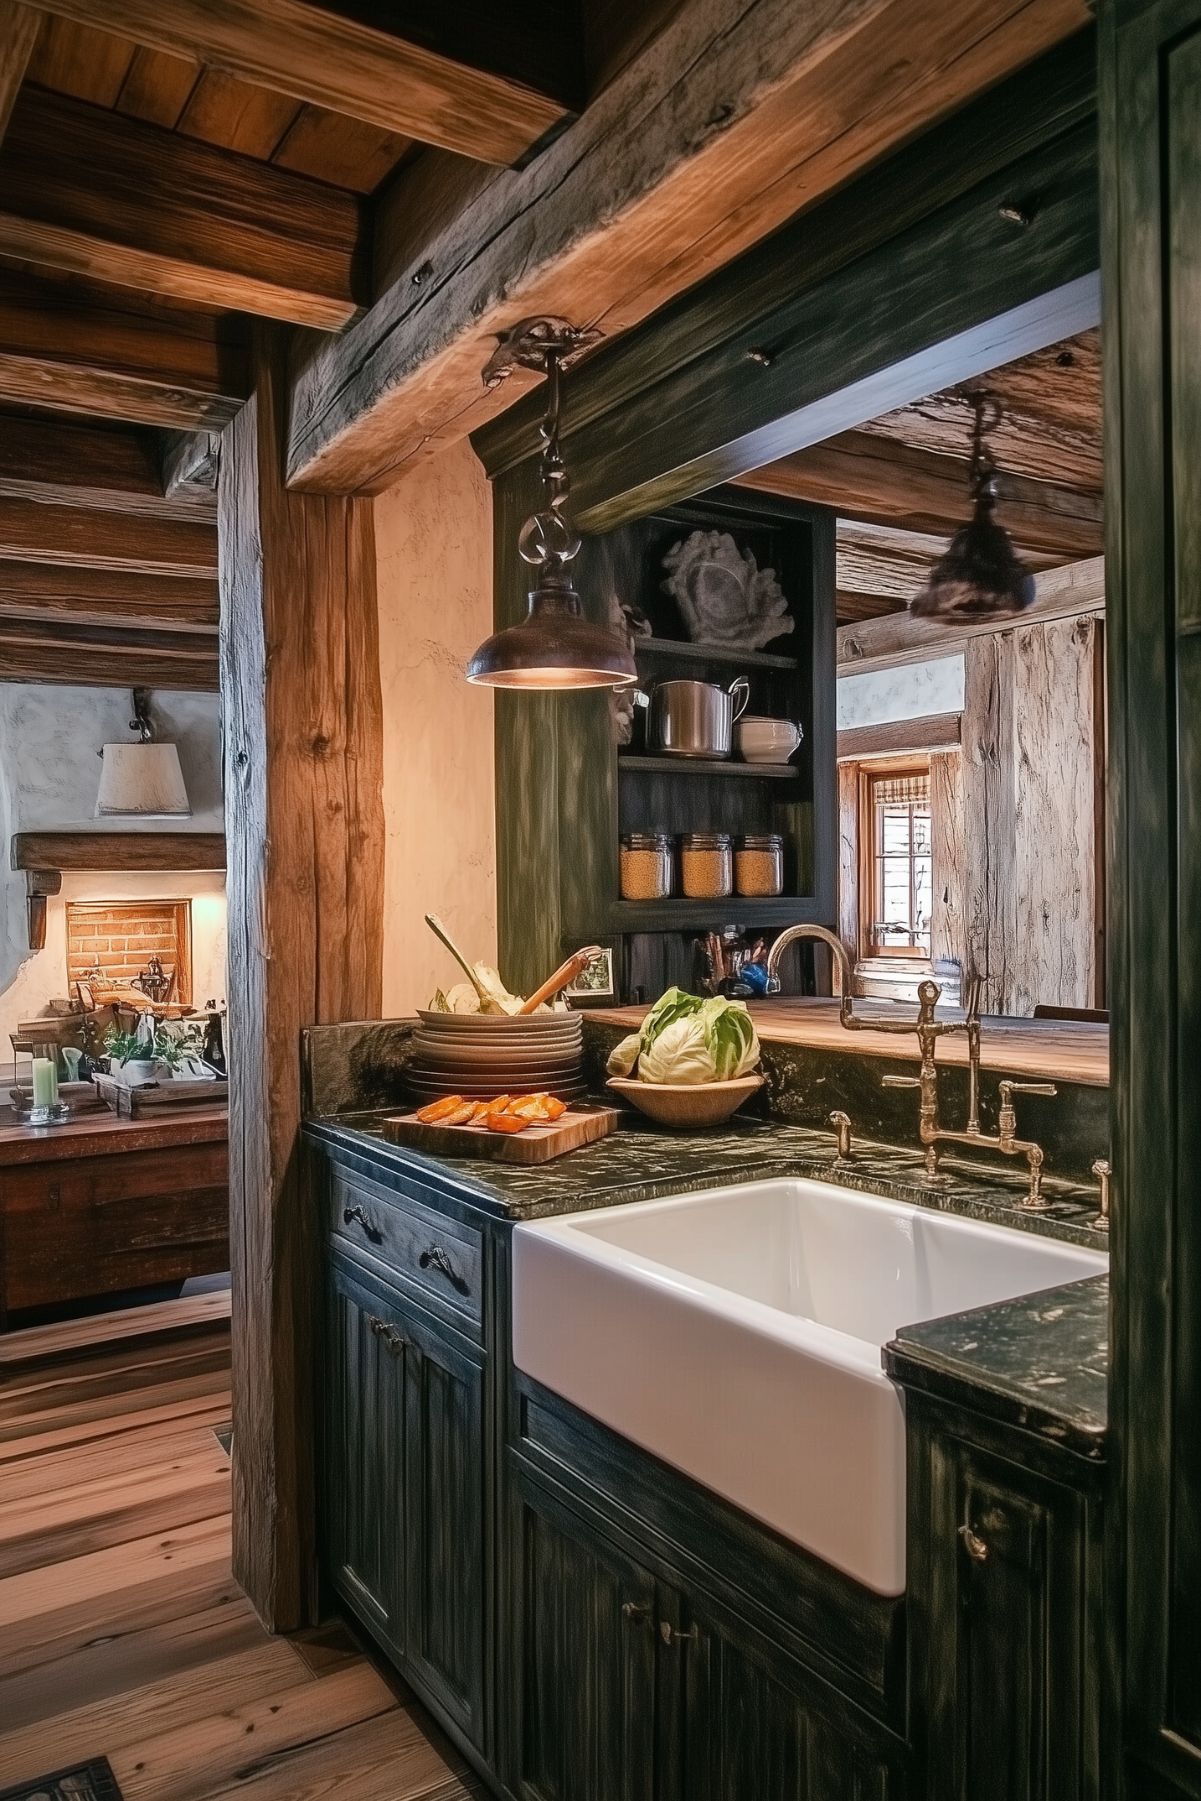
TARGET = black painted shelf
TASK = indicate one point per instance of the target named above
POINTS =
(687, 651)
(772, 772)
(702, 915)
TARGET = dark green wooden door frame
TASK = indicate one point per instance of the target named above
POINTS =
(911, 278)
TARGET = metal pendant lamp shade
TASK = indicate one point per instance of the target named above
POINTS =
(554, 646)
(144, 779)
(979, 576)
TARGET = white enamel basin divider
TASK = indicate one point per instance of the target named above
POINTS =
(736, 1333)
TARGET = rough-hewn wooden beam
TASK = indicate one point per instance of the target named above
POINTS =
(19, 26)
(113, 850)
(190, 462)
(35, 533)
(732, 119)
(303, 781)
(79, 347)
(883, 482)
(32, 651)
(113, 468)
(93, 192)
(106, 596)
(897, 737)
(881, 643)
(486, 82)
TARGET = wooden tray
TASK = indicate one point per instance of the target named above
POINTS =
(537, 1144)
(134, 1103)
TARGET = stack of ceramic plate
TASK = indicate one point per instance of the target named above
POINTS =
(479, 1055)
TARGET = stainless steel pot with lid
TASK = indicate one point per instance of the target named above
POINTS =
(693, 719)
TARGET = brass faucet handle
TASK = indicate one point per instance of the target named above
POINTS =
(900, 1081)
(1009, 1089)
(842, 1125)
(1103, 1170)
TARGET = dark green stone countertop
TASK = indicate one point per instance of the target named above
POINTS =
(641, 1162)
(1040, 1362)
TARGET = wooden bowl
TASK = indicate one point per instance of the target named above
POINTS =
(689, 1105)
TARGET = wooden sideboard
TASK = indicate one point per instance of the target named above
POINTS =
(103, 1204)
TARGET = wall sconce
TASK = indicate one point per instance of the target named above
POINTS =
(144, 779)
(555, 646)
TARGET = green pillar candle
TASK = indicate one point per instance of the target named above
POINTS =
(45, 1082)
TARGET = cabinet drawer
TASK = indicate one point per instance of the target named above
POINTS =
(442, 1258)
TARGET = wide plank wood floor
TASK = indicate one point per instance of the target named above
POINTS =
(122, 1631)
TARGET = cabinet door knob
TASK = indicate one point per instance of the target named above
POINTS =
(370, 1229)
(671, 1635)
(975, 1546)
(436, 1258)
(636, 1612)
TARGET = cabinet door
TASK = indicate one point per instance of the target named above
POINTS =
(755, 1724)
(1001, 1640)
(446, 1512)
(363, 1466)
(583, 1649)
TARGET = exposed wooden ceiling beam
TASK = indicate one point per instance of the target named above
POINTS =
(19, 27)
(852, 607)
(99, 656)
(110, 468)
(881, 481)
(890, 563)
(899, 737)
(107, 596)
(732, 119)
(511, 77)
(79, 347)
(89, 191)
(881, 643)
(31, 532)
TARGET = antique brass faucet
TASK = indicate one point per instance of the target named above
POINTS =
(932, 1133)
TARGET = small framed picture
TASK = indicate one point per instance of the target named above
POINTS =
(594, 986)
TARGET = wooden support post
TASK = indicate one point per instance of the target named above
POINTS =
(303, 781)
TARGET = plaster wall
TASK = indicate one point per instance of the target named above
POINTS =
(433, 535)
(910, 691)
(49, 770)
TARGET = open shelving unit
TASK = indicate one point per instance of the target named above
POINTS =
(636, 790)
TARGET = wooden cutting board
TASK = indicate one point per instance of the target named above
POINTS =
(537, 1144)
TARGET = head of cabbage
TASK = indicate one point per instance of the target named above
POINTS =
(687, 1039)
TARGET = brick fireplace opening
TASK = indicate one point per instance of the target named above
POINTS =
(118, 939)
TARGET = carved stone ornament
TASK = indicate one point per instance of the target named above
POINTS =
(723, 595)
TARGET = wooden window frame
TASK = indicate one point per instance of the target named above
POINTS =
(869, 773)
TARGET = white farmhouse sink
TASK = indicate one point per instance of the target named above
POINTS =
(736, 1334)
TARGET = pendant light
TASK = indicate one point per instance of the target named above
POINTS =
(141, 780)
(979, 575)
(555, 646)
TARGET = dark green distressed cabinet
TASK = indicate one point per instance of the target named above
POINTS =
(583, 1669)
(403, 1488)
(1005, 1613)
(364, 1512)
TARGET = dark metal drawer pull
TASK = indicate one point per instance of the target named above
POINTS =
(671, 1635)
(436, 1258)
(371, 1230)
(390, 1336)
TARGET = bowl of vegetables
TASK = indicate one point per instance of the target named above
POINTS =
(692, 1062)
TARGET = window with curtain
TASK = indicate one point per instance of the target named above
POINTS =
(898, 871)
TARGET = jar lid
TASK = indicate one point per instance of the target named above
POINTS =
(761, 841)
(706, 841)
(646, 841)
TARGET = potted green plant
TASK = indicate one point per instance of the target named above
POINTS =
(130, 1059)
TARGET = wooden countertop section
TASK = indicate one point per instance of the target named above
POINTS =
(1042, 1048)
(100, 1134)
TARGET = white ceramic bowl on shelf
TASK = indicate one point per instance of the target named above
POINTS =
(763, 740)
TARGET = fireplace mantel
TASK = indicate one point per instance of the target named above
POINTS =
(45, 855)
